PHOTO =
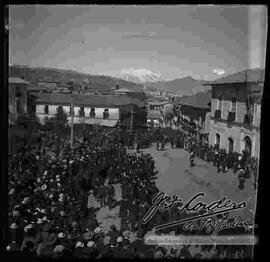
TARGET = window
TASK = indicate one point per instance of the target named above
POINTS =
(106, 114)
(18, 91)
(217, 141)
(46, 109)
(233, 104)
(219, 103)
(92, 112)
(81, 112)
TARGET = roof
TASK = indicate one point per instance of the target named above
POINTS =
(154, 114)
(88, 100)
(157, 103)
(199, 100)
(251, 75)
(133, 90)
(16, 80)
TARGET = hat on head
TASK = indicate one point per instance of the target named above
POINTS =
(59, 249)
(61, 235)
(79, 244)
(43, 211)
(74, 224)
(98, 230)
(40, 221)
(90, 244)
(13, 226)
(119, 240)
(12, 191)
(126, 233)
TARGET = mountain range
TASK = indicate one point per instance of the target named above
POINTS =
(138, 80)
(182, 86)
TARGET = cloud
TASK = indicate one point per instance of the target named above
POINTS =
(219, 71)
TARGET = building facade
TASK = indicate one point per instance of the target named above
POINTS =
(100, 110)
(236, 114)
(17, 98)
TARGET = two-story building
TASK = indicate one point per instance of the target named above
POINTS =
(17, 98)
(94, 109)
(193, 111)
(236, 112)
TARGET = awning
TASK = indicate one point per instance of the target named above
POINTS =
(110, 123)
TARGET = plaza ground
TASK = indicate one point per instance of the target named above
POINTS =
(176, 177)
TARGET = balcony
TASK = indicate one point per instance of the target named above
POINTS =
(231, 117)
(217, 114)
(248, 119)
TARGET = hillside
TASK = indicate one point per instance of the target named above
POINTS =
(103, 83)
(182, 86)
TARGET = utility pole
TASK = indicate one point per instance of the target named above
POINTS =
(131, 119)
(72, 115)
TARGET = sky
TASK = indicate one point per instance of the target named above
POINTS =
(203, 42)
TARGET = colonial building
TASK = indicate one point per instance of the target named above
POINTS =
(17, 98)
(101, 110)
(193, 111)
(236, 112)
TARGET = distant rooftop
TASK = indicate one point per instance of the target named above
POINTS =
(88, 100)
(251, 75)
(154, 114)
(199, 100)
(16, 80)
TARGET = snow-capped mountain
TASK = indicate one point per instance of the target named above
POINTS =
(139, 75)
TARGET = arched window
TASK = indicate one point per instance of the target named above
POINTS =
(230, 145)
(247, 145)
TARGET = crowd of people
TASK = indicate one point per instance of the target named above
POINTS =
(49, 191)
(243, 165)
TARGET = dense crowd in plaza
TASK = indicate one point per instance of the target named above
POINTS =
(49, 210)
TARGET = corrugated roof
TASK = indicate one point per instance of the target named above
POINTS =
(16, 80)
(88, 100)
(251, 75)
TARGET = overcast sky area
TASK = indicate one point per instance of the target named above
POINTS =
(176, 41)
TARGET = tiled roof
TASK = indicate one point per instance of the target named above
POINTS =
(251, 75)
(16, 80)
(88, 100)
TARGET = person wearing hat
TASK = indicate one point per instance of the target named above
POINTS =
(119, 251)
(79, 250)
(126, 237)
(241, 179)
(113, 234)
(90, 251)
(14, 232)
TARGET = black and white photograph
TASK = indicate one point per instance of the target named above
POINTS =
(134, 131)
